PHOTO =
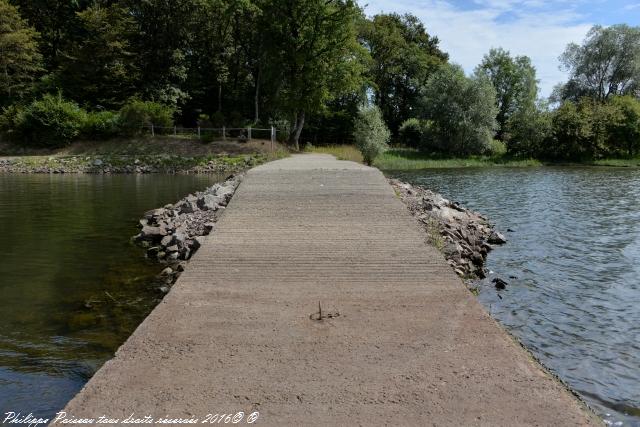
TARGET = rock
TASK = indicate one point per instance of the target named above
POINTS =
(209, 202)
(98, 162)
(164, 289)
(167, 240)
(152, 233)
(173, 248)
(499, 283)
(186, 207)
(496, 238)
(477, 259)
(198, 241)
(167, 272)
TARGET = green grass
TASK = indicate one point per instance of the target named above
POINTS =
(618, 162)
(340, 152)
(407, 159)
(402, 159)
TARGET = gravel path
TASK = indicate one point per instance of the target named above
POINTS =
(401, 341)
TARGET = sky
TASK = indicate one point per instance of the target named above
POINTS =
(540, 29)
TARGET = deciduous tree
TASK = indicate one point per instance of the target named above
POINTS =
(20, 60)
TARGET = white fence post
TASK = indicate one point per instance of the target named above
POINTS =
(249, 133)
(153, 131)
(175, 131)
(224, 133)
(198, 132)
(273, 136)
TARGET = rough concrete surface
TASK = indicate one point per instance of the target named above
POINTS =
(407, 344)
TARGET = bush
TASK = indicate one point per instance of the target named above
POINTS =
(47, 122)
(497, 148)
(101, 125)
(527, 131)
(371, 133)
(626, 131)
(410, 133)
(138, 114)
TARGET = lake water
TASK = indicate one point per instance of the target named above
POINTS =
(72, 287)
(573, 267)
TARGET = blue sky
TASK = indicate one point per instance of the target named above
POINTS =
(540, 29)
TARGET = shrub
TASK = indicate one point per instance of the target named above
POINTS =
(48, 122)
(626, 131)
(371, 133)
(137, 114)
(497, 148)
(101, 124)
(410, 133)
(527, 131)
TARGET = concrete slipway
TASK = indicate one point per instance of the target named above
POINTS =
(405, 343)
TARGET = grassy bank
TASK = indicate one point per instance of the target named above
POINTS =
(405, 159)
(145, 154)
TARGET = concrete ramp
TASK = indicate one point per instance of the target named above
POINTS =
(401, 340)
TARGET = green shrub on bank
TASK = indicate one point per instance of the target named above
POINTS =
(47, 122)
(101, 125)
(138, 114)
(371, 133)
(497, 148)
(410, 133)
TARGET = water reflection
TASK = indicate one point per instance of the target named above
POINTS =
(72, 287)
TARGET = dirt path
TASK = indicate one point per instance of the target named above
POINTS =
(403, 342)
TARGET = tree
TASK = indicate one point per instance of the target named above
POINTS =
(371, 133)
(313, 45)
(20, 60)
(459, 112)
(514, 80)
(57, 23)
(403, 56)
(626, 131)
(102, 70)
(606, 64)
(163, 44)
(529, 129)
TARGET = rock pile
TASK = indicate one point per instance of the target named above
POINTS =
(465, 237)
(173, 233)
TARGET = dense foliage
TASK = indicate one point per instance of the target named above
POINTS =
(49, 122)
(458, 112)
(101, 68)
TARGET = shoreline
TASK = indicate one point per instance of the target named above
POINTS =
(130, 164)
(172, 234)
(463, 236)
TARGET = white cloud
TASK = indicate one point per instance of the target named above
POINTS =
(524, 27)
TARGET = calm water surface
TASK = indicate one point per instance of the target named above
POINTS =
(575, 253)
(72, 287)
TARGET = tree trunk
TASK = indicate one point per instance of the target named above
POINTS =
(256, 99)
(294, 139)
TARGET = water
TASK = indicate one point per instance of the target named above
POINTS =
(72, 287)
(575, 250)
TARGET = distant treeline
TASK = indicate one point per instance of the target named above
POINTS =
(99, 67)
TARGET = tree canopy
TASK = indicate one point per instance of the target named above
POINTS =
(20, 59)
(403, 57)
(606, 64)
(514, 80)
